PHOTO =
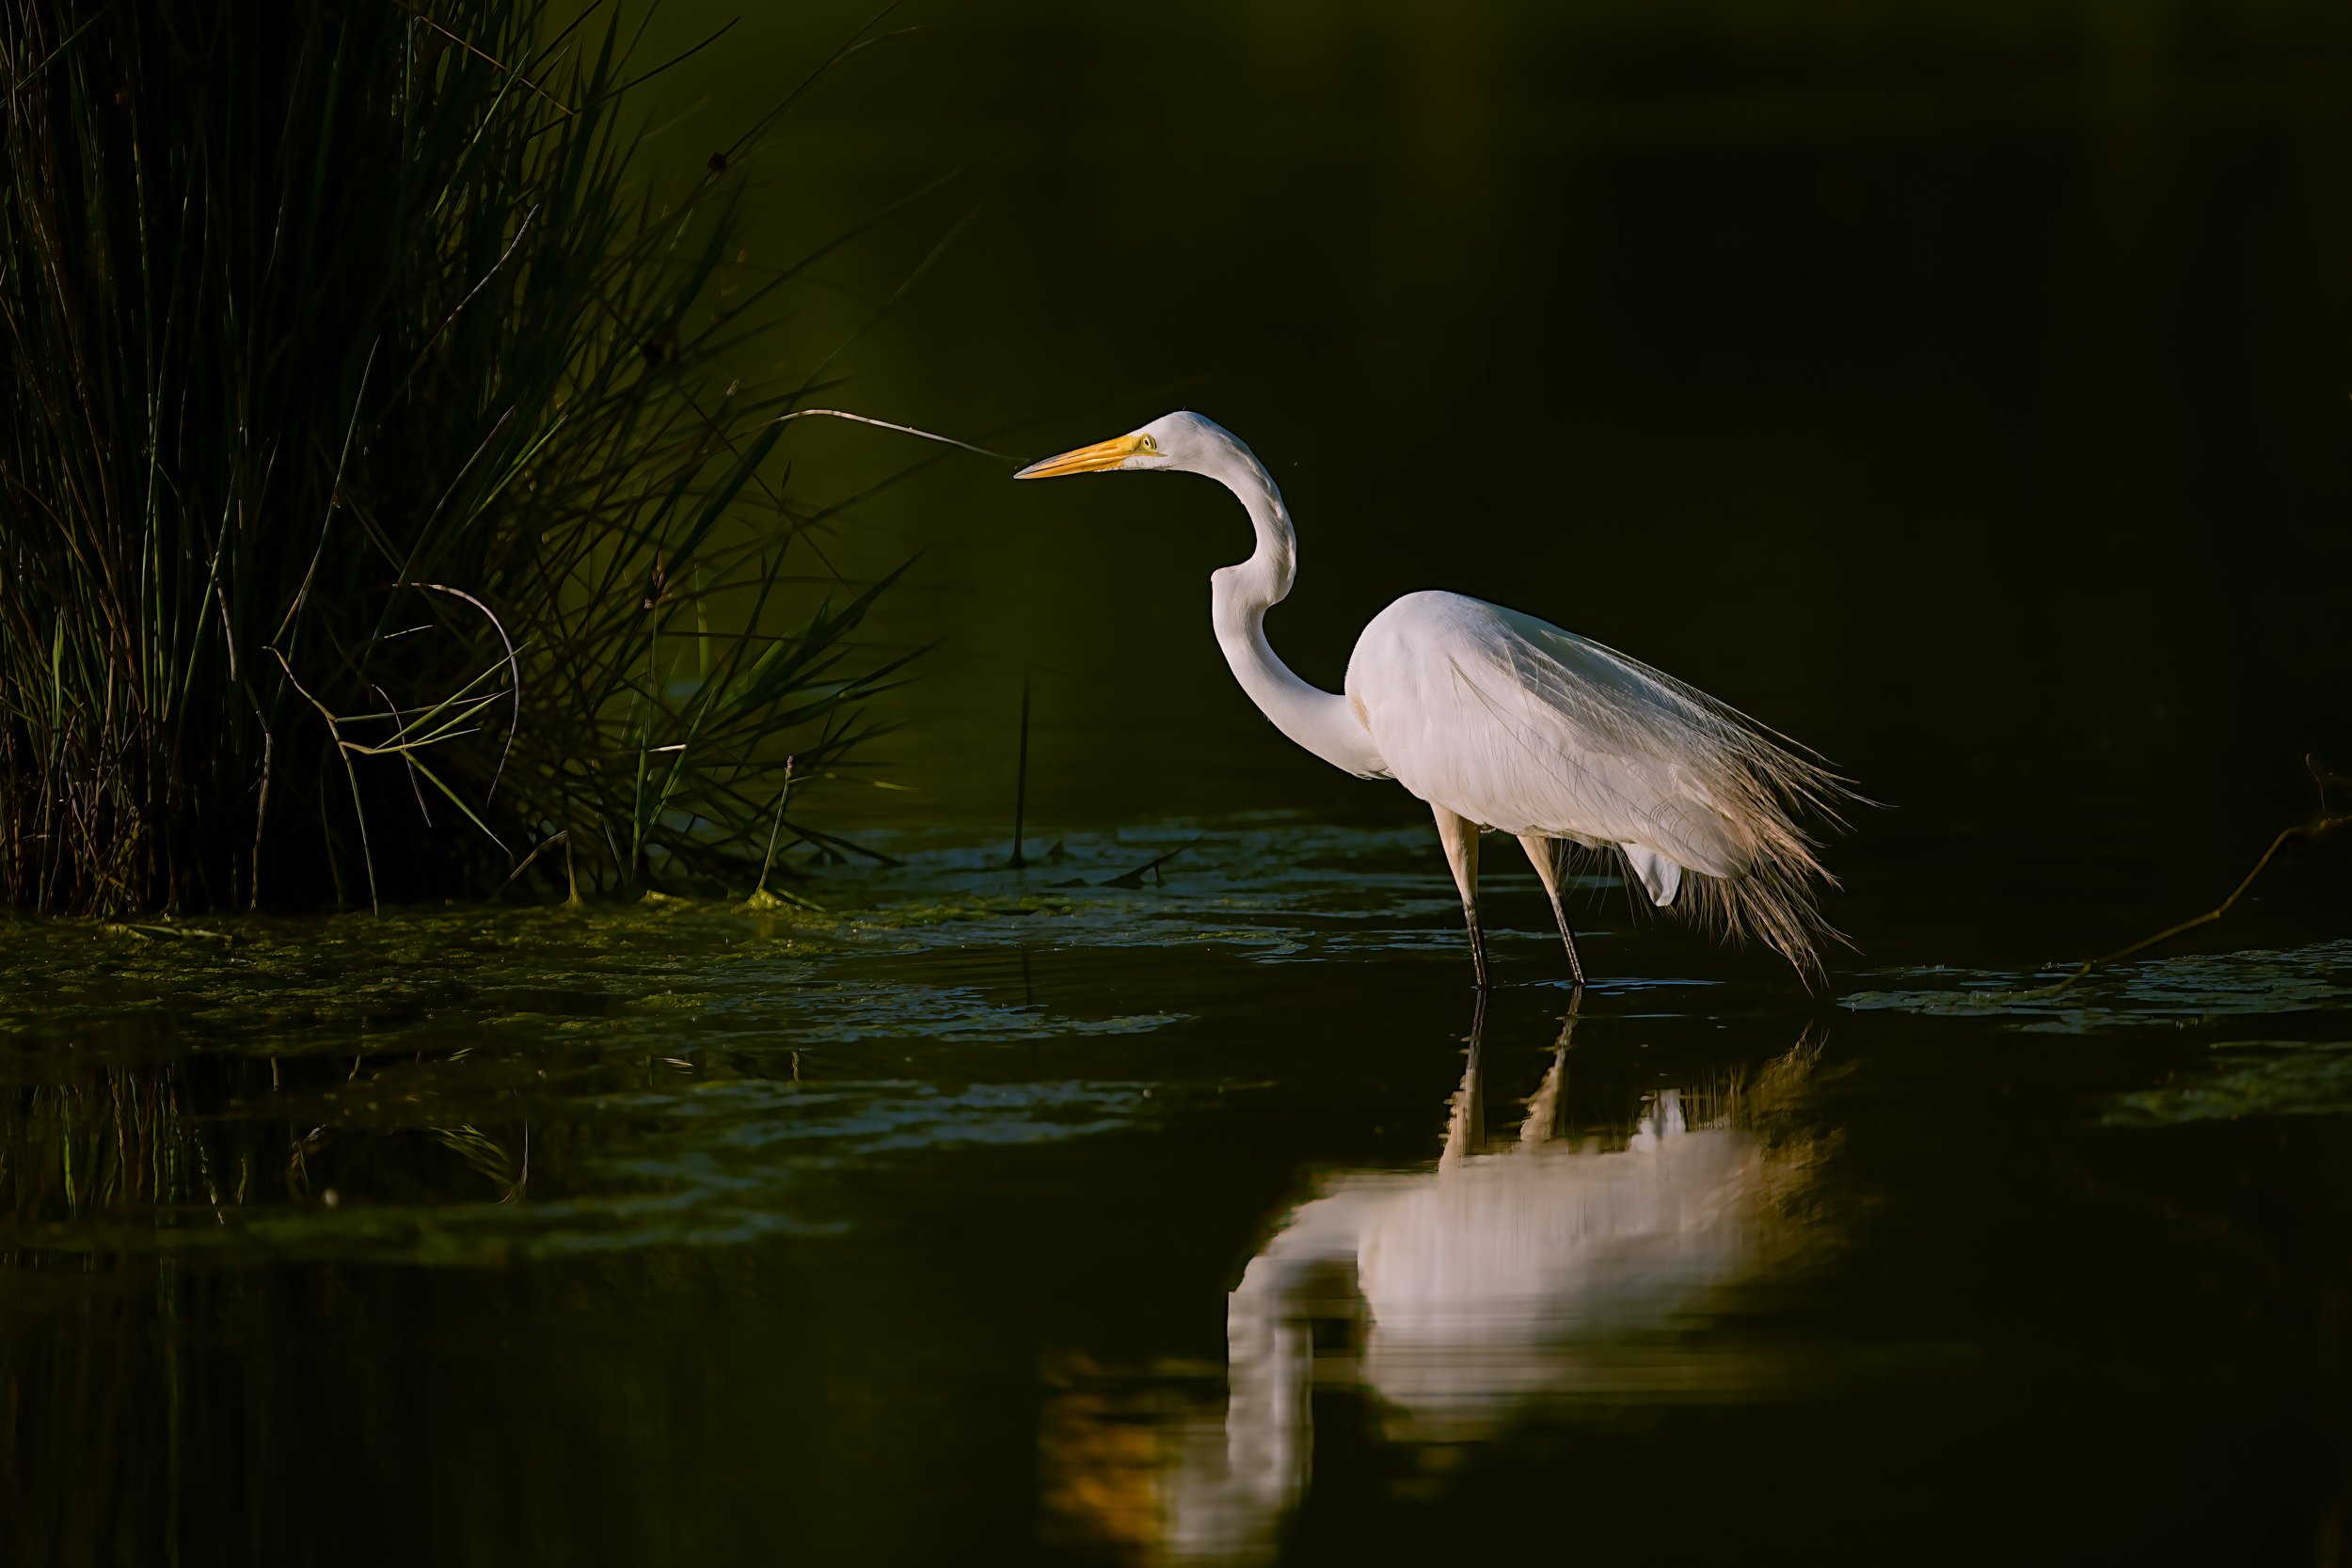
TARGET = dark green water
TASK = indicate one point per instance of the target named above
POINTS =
(1962, 388)
(678, 1233)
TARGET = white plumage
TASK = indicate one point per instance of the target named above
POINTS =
(1526, 728)
(1504, 723)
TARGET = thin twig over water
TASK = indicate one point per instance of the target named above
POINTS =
(2318, 827)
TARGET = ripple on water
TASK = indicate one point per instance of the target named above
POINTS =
(2253, 983)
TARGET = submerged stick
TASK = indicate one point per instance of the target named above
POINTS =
(1021, 783)
(1150, 867)
(783, 795)
(2318, 827)
(760, 897)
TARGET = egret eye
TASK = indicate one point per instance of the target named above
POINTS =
(1151, 443)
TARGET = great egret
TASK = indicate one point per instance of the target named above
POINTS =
(1503, 722)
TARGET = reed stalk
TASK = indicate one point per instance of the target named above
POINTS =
(377, 501)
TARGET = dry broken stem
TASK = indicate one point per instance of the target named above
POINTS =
(2318, 827)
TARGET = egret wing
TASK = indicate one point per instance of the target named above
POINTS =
(1526, 728)
(1529, 729)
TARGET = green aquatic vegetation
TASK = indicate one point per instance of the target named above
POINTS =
(2246, 1078)
(2257, 981)
(382, 508)
(485, 1081)
(466, 1085)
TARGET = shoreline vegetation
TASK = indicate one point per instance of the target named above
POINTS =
(380, 516)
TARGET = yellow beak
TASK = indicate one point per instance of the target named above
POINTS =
(1086, 460)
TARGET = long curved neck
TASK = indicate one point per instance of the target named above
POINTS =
(1320, 721)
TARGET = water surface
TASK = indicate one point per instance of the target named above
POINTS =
(996, 1215)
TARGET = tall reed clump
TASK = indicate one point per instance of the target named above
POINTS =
(376, 505)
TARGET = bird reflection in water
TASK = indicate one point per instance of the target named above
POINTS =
(1526, 1271)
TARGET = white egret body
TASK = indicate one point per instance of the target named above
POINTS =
(1504, 723)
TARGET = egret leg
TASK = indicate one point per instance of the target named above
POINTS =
(1545, 853)
(1459, 835)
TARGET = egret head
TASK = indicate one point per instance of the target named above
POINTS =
(1182, 440)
